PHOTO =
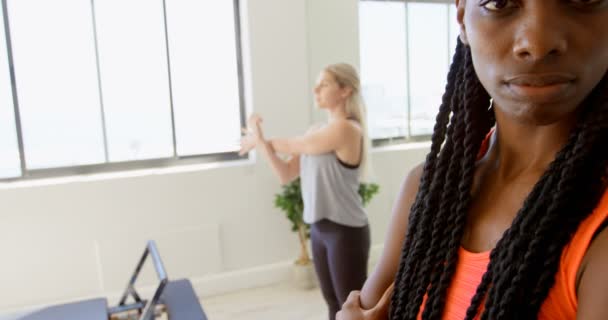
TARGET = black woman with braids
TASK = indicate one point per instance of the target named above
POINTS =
(506, 219)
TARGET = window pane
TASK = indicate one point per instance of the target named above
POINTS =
(10, 166)
(428, 52)
(55, 66)
(383, 67)
(454, 30)
(204, 75)
(134, 78)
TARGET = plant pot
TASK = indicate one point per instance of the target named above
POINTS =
(304, 276)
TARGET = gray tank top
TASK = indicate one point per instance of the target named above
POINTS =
(330, 190)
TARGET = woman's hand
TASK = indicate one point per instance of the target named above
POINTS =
(248, 142)
(253, 134)
(254, 121)
(351, 310)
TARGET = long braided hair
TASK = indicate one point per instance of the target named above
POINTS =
(525, 260)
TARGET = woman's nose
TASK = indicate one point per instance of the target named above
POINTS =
(540, 34)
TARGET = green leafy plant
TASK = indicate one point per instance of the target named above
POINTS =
(290, 201)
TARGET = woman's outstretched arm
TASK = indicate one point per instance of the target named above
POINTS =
(326, 139)
(285, 170)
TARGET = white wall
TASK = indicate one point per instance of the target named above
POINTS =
(61, 241)
(332, 37)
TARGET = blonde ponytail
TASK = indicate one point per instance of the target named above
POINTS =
(347, 76)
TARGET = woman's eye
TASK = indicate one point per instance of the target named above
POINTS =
(497, 5)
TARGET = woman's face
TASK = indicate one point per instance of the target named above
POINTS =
(328, 93)
(538, 59)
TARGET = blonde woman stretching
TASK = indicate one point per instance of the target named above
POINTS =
(329, 161)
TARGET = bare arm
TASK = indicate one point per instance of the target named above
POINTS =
(326, 139)
(593, 286)
(284, 170)
(329, 138)
(384, 273)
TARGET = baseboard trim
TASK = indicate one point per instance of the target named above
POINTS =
(262, 276)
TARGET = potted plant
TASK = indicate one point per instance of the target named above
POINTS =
(290, 202)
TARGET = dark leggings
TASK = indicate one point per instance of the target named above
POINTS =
(340, 256)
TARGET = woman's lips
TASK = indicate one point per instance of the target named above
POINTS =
(545, 88)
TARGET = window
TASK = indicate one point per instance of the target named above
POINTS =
(117, 84)
(57, 89)
(134, 79)
(205, 75)
(406, 48)
(10, 166)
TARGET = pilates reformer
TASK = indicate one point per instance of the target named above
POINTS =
(172, 300)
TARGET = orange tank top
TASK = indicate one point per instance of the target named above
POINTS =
(561, 302)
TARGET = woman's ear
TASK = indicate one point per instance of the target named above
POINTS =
(460, 4)
(346, 92)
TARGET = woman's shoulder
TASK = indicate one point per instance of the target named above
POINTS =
(346, 126)
(409, 189)
(582, 265)
(314, 127)
(412, 180)
(339, 124)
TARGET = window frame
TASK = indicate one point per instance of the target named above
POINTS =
(118, 166)
(409, 138)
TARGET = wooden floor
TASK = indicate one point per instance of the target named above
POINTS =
(280, 302)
